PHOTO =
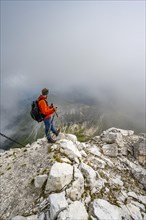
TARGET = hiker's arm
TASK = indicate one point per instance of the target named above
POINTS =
(45, 109)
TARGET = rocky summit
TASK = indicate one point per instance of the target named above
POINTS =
(102, 179)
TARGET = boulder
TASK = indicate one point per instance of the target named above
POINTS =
(70, 149)
(93, 149)
(75, 211)
(99, 184)
(133, 195)
(138, 172)
(40, 180)
(61, 174)
(142, 199)
(140, 151)
(110, 150)
(98, 162)
(139, 205)
(134, 211)
(76, 190)
(71, 137)
(57, 204)
(101, 209)
(122, 131)
(116, 183)
(88, 173)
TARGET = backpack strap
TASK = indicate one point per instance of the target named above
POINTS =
(44, 100)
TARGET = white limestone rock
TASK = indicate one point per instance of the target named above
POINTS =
(111, 138)
(32, 217)
(110, 150)
(75, 211)
(142, 199)
(35, 146)
(70, 149)
(108, 161)
(99, 184)
(58, 203)
(83, 153)
(72, 138)
(98, 162)
(81, 146)
(140, 151)
(122, 131)
(139, 205)
(65, 160)
(18, 217)
(133, 195)
(40, 180)
(41, 216)
(138, 172)
(101, 209)
(60, 175)
(116, 182)
(88, 173)
(93, 149)
(134, 211)
(76, 190)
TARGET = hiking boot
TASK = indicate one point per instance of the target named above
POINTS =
(57, 132)
(51, 140)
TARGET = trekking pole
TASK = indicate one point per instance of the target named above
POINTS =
(56, 113)
(11, 139)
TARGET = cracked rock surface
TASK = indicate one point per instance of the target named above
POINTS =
(104, 178)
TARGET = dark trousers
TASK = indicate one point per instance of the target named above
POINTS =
(49, 127)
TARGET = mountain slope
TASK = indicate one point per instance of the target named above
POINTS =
(105, 177)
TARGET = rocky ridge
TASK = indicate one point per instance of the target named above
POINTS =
(104, 178)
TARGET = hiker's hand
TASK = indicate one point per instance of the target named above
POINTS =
(55, 109)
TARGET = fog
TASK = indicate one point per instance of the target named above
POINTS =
(64, 45)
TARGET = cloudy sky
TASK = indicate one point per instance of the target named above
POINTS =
(99, 45)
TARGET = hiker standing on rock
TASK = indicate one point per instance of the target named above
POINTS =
(47, 111)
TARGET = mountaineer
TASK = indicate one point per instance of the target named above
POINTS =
(47, 111)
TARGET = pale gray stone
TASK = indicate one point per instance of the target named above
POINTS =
(60, 175)
(42, 216)
(122, 131)
(76, 190)
(140, 151)
(71, 137)
(32, 217)
(70, 149)
(93, 149)
(102, 209)
(65, 160)
(138, 172)
(75, 211)
(110, 150)
(88, 173)
(81, 146)
(18, 217)
(57, 204)
(98, 162)
(133, 195)
(139, 205)
(142, 199)
(116, 182)
(134, 211)
(40, 180)
(83, 153)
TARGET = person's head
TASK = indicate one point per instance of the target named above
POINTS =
(45, 92)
